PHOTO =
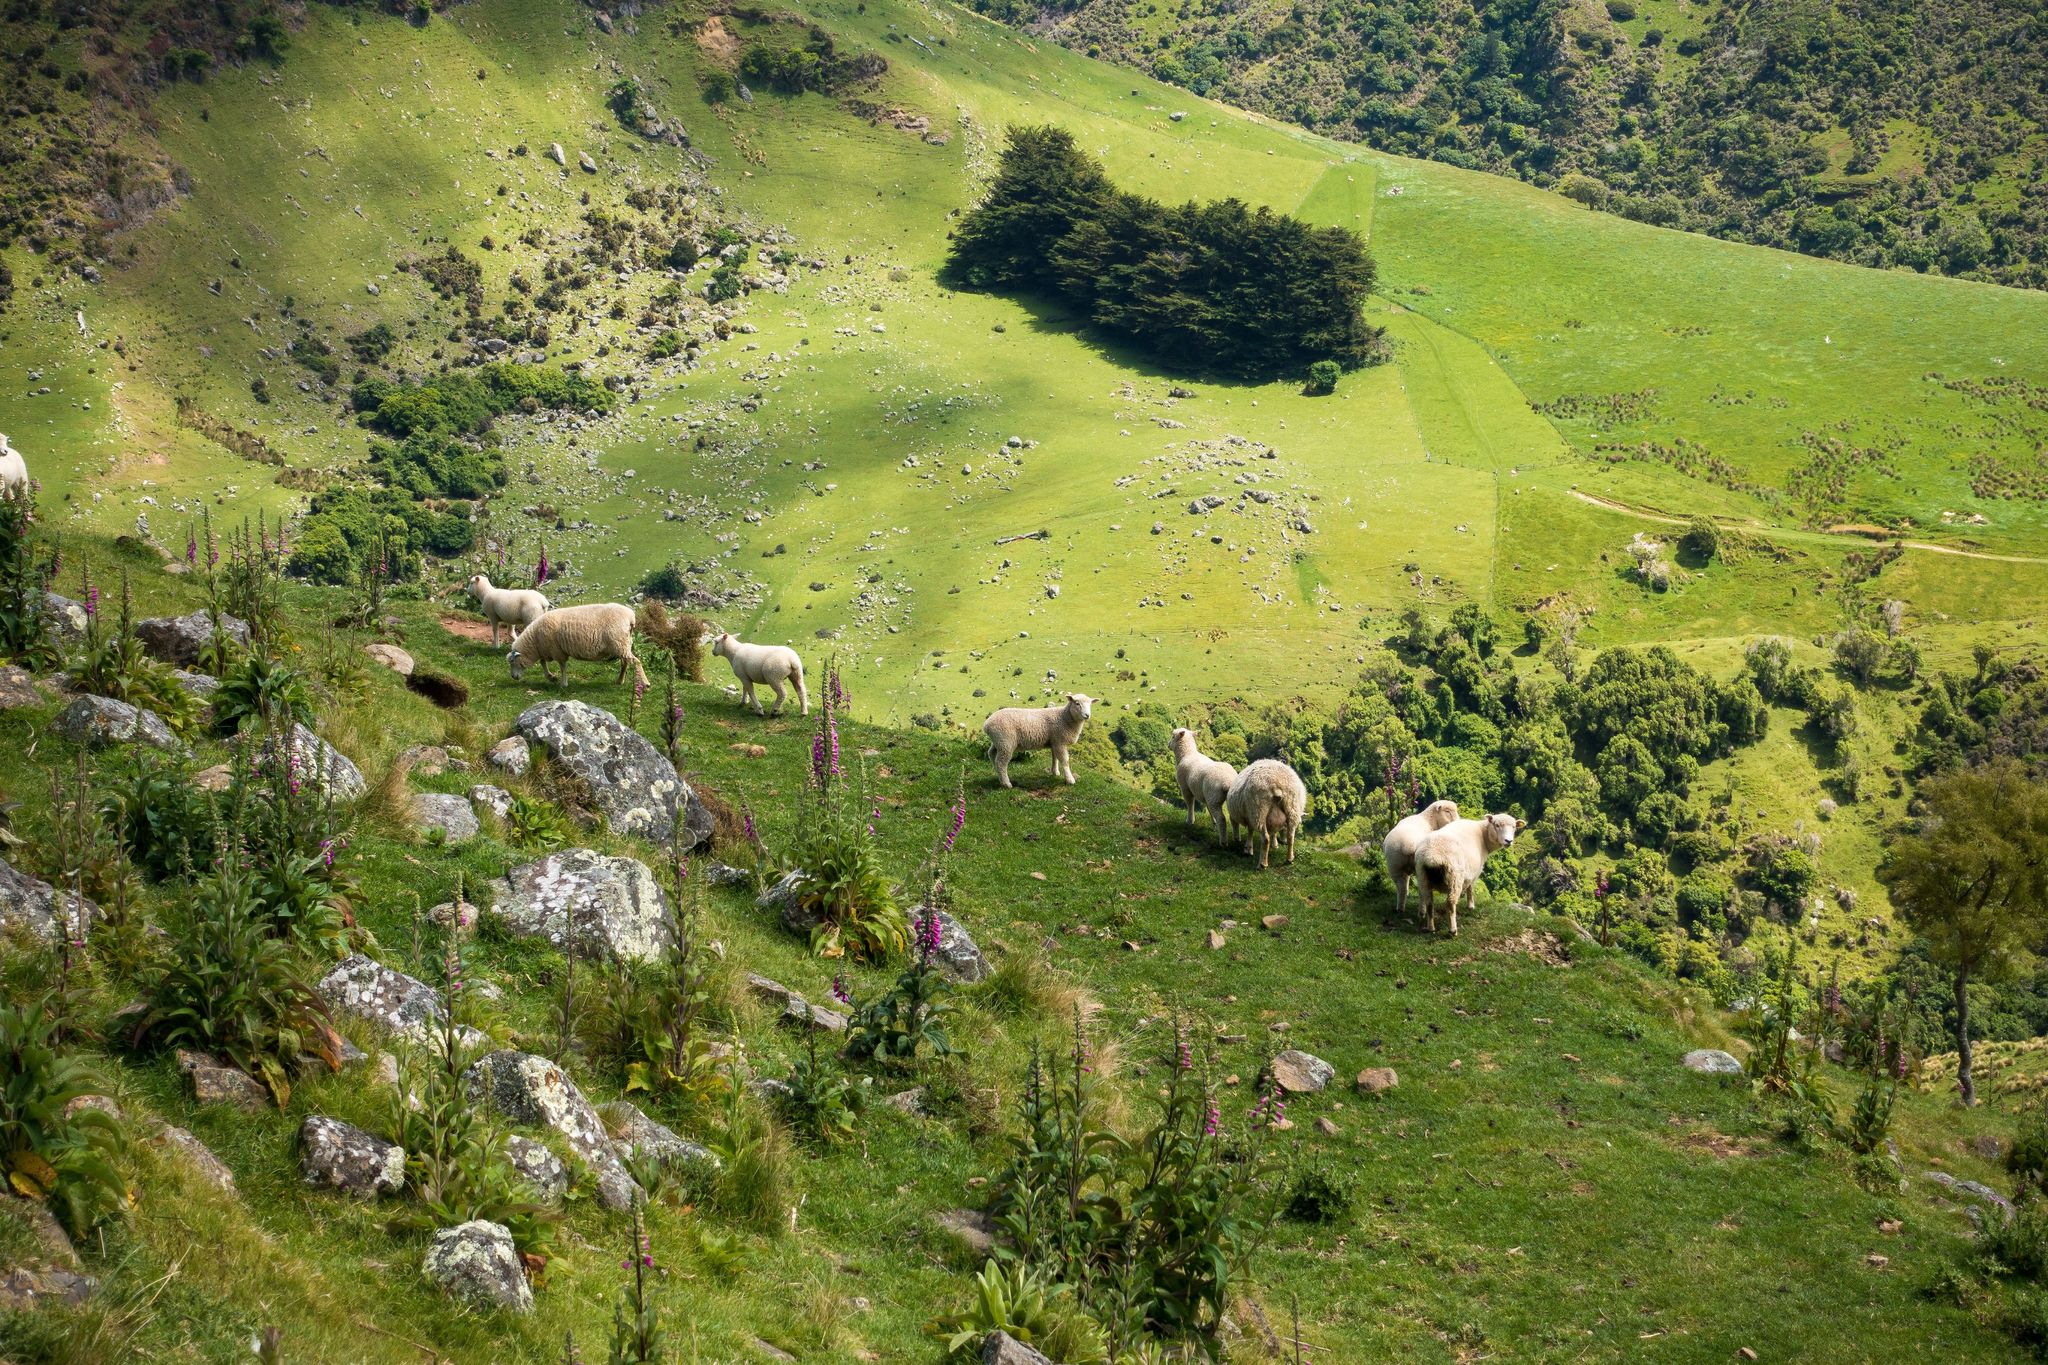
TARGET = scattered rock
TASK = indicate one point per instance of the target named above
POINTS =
(782, 898)
(1216, 940)
(1000, 1348)
(1301, 1073)
(496, 800)
(33, 906)
(971, 1228)
(366, 989)
(451, 815)
(635, 788)
(218, 778)
(958, 956)
(338, 1156)
(611, 906)
(97, 722)
(803, 1014)
(477, 1263)
(215, 1082)
(321, 761)
(1376, 1080)
(1970, 1189)
(200, 686)
(460, 916)
(425, 760)
(1710, 1061)
(557, 155)
(180, 640)
(510, 755)
(67, 618)
(25, 1288)
(18, 688)
(535, 1163)
(199, 1157)
(533, 1090)
(909, 1101)
(636, 1135)
(583, 160)
(391, 656)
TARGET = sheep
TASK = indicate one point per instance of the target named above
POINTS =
(598, 631)
(13, 470)
(1451, 859)
(1405, 838)
(1204, 781)
(1020, 729)
(771, 664)
(1266, 803)
(514, 607)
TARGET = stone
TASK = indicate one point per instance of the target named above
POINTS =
(218, 1084)
(535, 1163)
(557, 155)
(1216, 940)
(66, 617)
(29, 905)
(425, 760)
(725, 874)
(782, 899)
(634, 1135)
(366, 989)
(1971, 1189)
(340, 1156)
(391, 656)
(452, 816)
(909, 1101)
(510, 755)
(199, 686)
(180, 640)
(609, 907)
(199, 1157)
(218, 778)
(24, 1288)
(1376, 1080)
(631, 783)
(958, 956)
(321, 761)
(533, 1090)
(484, 797)
(774, 992)
(1301, 1073)
(477, 1263)
(18, 688)
(1711, 1061)
(803, 1014)
(1000, 1348)
(770, 1090)
(458, 915)
(97, 722)
(585, 163)
(971, 1228)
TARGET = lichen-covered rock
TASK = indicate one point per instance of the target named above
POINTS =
(452, 816)
(510, 755)
(32, 906)
(18, 688)
(391, 656)
(1301, 1073)
(636, 1135)
(214, 1081)
(1711, 1061)
(67, 618)
(1000, 1348)
(532, 1161)
(97, 722)
(485, 797)
(533, 1090)
(478, 1264)
(180, 640)
(340, 1156)
(365, 988)
(785, 900)
(630, 782)
(199, 1157)
(958, 955)
(603, 906)
(320, 761)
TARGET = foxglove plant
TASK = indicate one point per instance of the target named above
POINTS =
(844, 893)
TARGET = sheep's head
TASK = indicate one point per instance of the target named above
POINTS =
(516, 663)
(477, 585)
(1080, 705)
(1183, 742)
(1501, 830)
(721, 644)
(1440, 813)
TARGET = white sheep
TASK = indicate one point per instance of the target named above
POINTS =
(1405, 838)
(1204, 782)
(13, 470)
(1452, 859)
(1020, 729)
(597, 631)
(1266, 804)
(514, 607)
(771, 664)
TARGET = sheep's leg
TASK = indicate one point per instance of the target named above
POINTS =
(1191, 809)
(563, 680)
(1001, 757)
(1456, 891)
(780, 693)
(1290, 845)
(803, 694)
(747, 695)
(1062, 765)
(1400, 893)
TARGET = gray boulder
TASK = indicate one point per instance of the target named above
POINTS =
(609, 907)
(532, 1161)
(484, 797)
(782, 899)
(451, 815)
(533, 1090)
(18, 688)
(510, 755)
(1301, 1073)
(630, 782)
(66, 618)
(199, 1157)
(340, 1156)
(400, 1005)
(201, 686)
(32, 906)
(636, 1135)
(319, 760)
(958, 956)
(97, 722)
(1711, 1061)
(1000, 1348)
(180, 639)
(1971, 1189)
(477, 1263)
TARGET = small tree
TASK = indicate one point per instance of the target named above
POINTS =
(1971, 878)
(1323, 376)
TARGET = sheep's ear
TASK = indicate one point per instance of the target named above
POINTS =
(1521, 824)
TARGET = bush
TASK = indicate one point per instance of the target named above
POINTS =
(1318, 1194)
(1620, 11)
(1323, 376)
(51, 1152)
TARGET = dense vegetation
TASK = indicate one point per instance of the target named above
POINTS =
(1892, 133)
(1216, 287)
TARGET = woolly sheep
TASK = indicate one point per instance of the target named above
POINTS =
(1405, 838)
(771, 664)
(1451, 860)
(1204, 782)
(514, 607)
(1020, 729)
(598, 631)
(13, 469)
(1266, 803)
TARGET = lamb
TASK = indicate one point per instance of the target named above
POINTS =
(1020, 729)
(13, 470)
(1266, 803)
(1405, 838)
(771, 664)
(1451, 860)
(514, 607)
(1204, 782)
(598, 631)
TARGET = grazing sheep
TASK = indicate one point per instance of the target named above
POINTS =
(1267, 803)
(1020, 729)
(771, 664)
(598, 631)
(1204, 782)
(1451, 860)
(514, 607)
(13, 470)
(1405, 838)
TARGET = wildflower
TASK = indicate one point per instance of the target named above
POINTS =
(959, 821)
(840, 990)
(1212, 1121)
(92, 601)
(542, 569)
(1186, 1060)
(191, 550)
(747, 824)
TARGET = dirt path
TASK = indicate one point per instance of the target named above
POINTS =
(1832, 533)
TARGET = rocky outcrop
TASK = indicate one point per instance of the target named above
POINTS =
(958, 956)
(634, 1135)
(180, 640)
(532, 1161)
(339, 1156)
(533, 1090)
(476, 1263)
(321, 761)
(366, 989)
(99, 722)
(31, 906)
(630, 782)
(602, 906)
(510, 755)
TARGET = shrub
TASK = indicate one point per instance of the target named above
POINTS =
(263, 693)
(25, 572)
(681, 634)
(1323, 376)
(1318, 1194)
(1620, 11)
(845, 893)
(53, 1153)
